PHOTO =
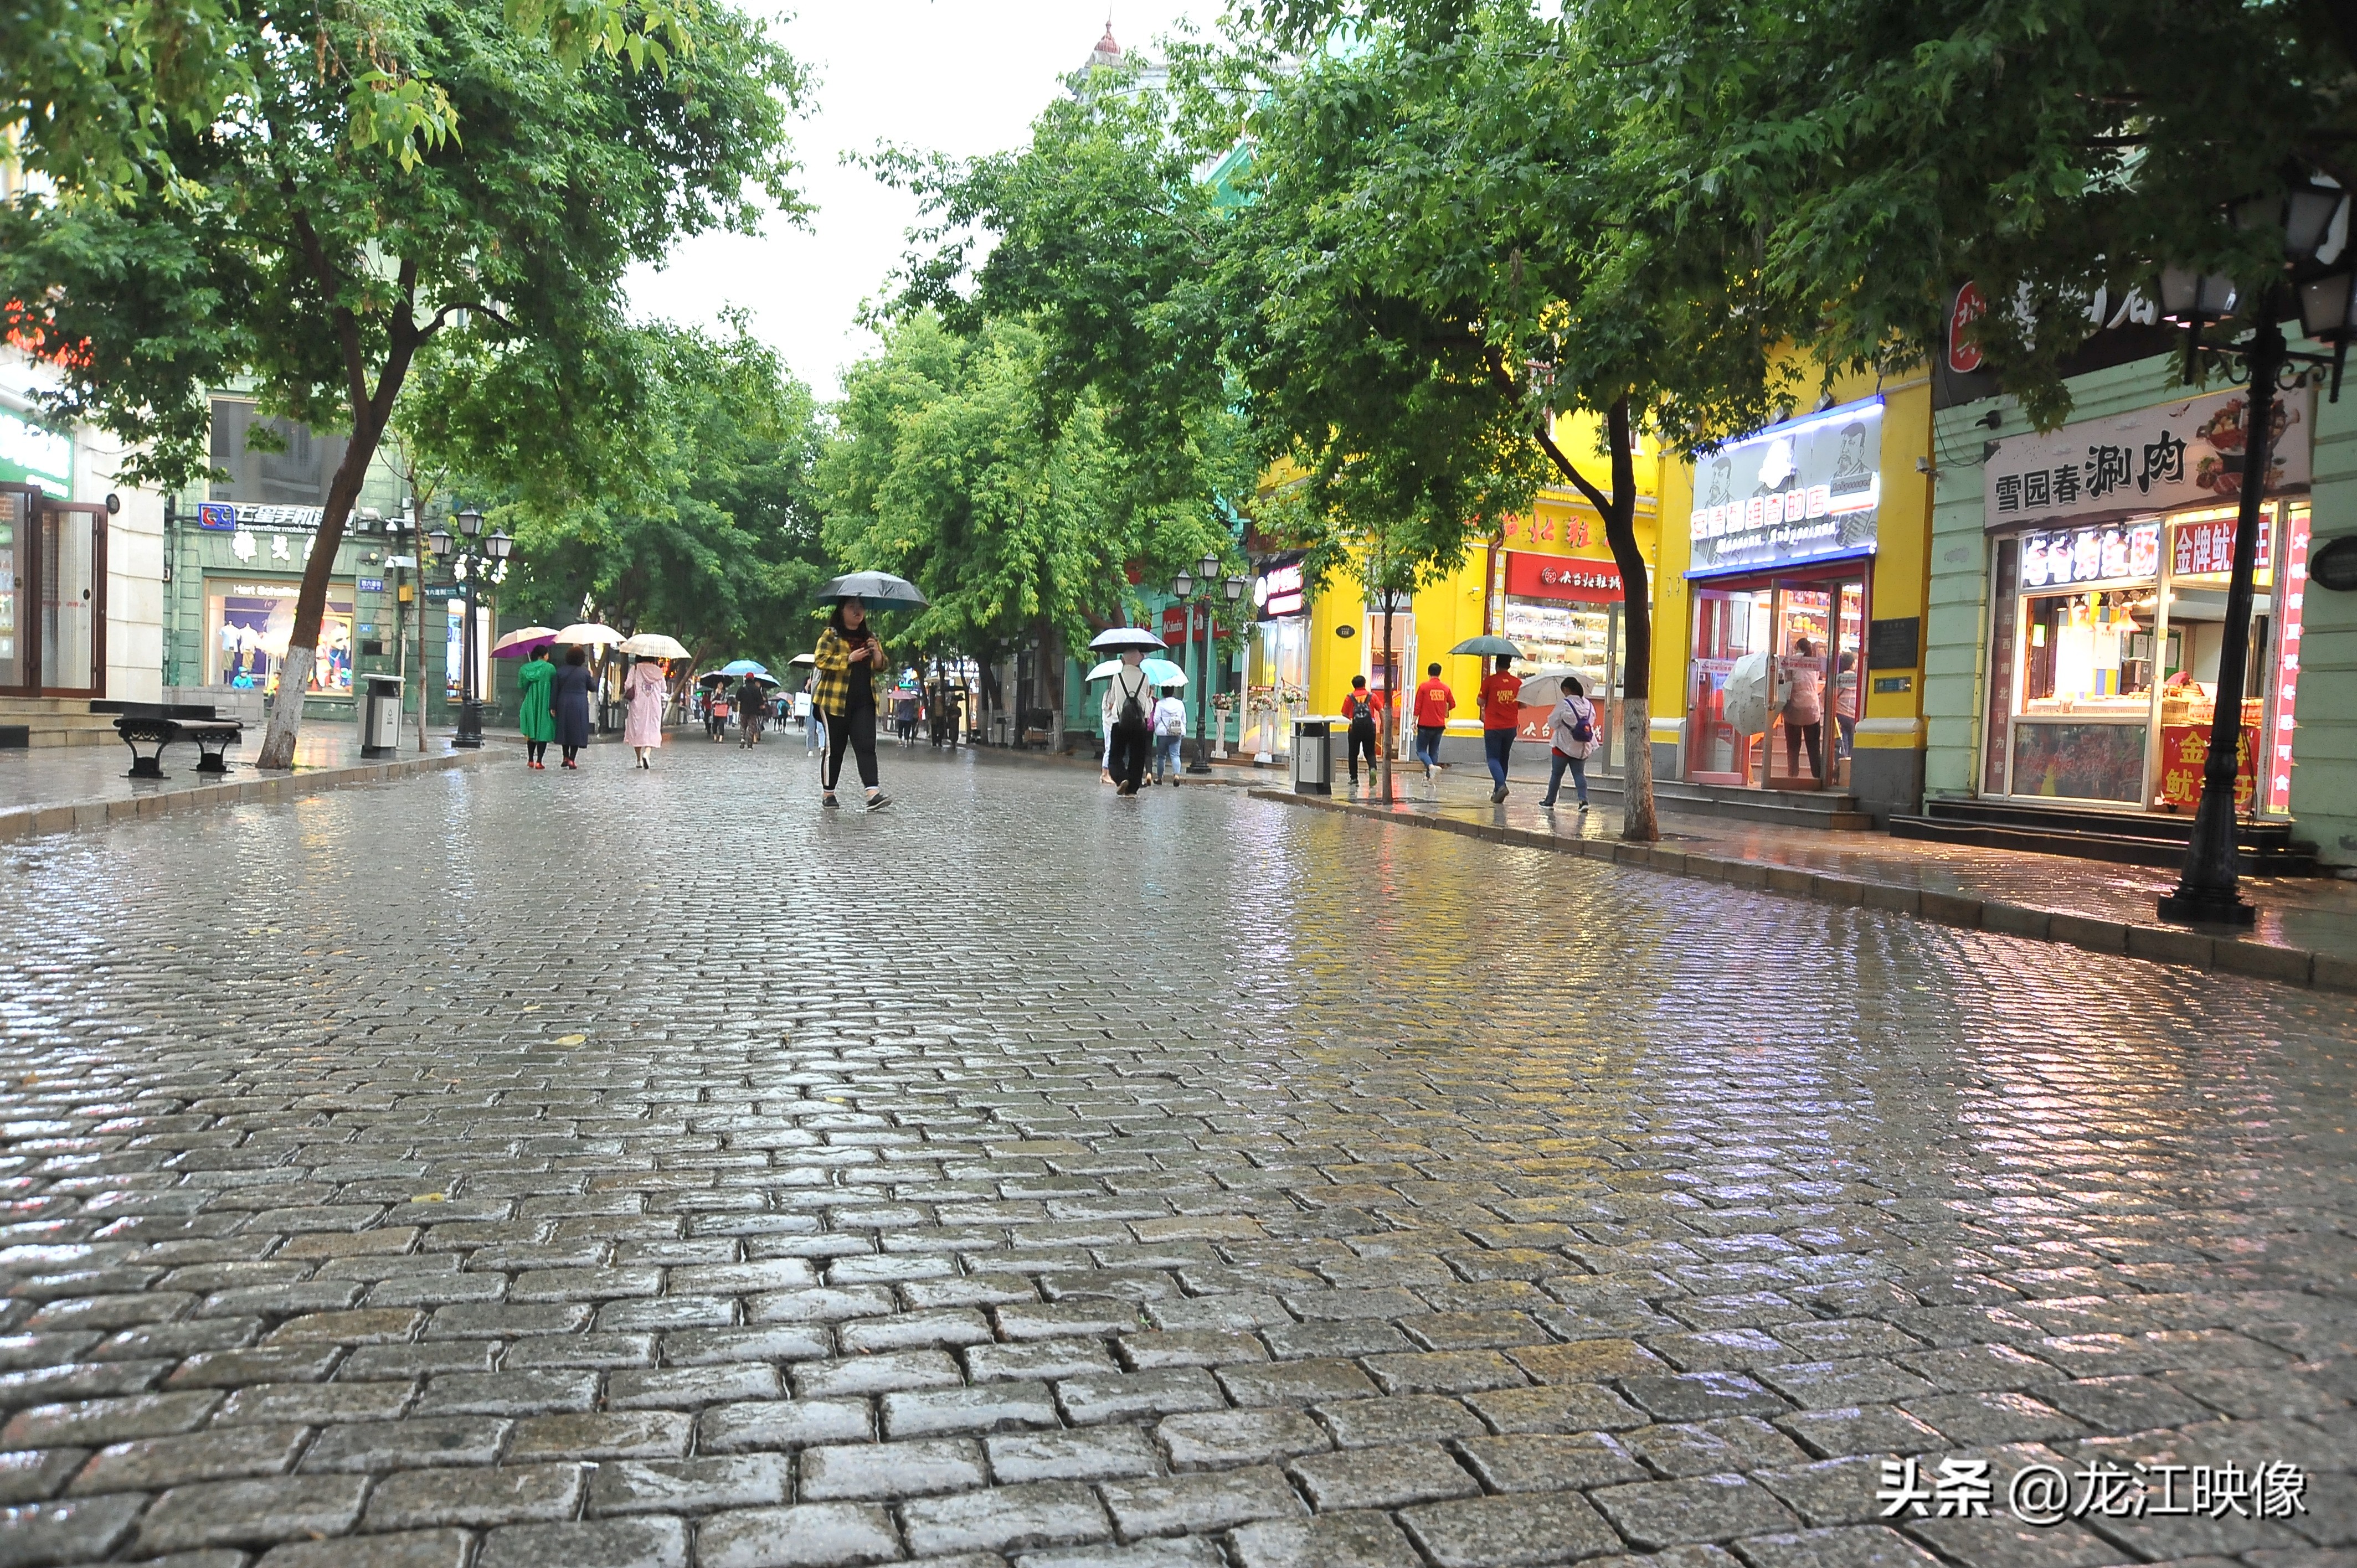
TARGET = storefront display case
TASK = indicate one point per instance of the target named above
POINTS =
(2103, 660)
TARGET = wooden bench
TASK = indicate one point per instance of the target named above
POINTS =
(156, 730)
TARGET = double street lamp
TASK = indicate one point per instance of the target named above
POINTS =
(469, 564)
(2208, 891)
(1182, 589)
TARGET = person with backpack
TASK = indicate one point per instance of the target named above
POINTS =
(1572, 730)
(1169, 731)
(1362, 710)
(1128, 714)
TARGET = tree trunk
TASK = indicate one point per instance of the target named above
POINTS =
(1619, 510)
(1051, 682)
(311, 603)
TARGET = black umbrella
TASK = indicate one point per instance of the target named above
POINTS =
(875, 589)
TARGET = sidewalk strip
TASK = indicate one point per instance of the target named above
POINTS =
(2158, 944)
(28, 821)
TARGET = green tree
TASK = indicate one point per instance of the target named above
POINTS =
(947, 470)
(709, 532)
(1451, 247)
(276, 244)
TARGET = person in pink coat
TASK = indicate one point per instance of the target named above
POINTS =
(648, 690)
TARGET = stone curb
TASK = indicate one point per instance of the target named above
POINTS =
(28, 822)
(2160, 944)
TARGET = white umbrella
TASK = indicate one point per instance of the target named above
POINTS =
(1125, 637)
(654, 645)
(589, 634)
(1546, 688)
(1161, 671)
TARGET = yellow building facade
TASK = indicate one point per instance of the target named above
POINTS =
(1545, 581)
(1789, 605)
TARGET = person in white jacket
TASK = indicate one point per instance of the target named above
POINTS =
(1170, 730)
(1571, 729)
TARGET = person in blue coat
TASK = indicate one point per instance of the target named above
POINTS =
(568, 694)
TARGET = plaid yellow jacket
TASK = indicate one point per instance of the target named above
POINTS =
(832, 694)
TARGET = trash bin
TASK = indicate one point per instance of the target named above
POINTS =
(380, 714)
(1313, 757)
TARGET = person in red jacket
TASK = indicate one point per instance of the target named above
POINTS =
(1433, 701)
(1502, 715)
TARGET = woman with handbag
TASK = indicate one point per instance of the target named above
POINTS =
(1571, 731)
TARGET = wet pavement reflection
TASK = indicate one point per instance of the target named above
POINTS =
(509, 1169)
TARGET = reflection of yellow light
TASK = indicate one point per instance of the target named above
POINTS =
(2038, 636)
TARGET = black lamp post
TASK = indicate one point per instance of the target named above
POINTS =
(469, 564)
(1233, 588)
(2208, 891)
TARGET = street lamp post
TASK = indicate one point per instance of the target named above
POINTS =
(2208, 891)
(1182, 589)
(470, 566)
(1233, 589)
(1209, 575)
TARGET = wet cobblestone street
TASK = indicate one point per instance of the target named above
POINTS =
(536, 1171)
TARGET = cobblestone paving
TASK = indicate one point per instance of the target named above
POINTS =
(528, 1169)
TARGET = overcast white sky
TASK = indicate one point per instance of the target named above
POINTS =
(960, 76)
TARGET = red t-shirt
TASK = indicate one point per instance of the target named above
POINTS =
(1433, 701)
(1500, 710)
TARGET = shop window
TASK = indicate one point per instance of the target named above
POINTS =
(248, 626)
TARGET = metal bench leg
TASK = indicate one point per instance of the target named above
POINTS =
(149, 764)
(212, 757)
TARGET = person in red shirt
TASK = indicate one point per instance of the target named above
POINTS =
(1362, 710)
(1502, 715)
(1433, 701)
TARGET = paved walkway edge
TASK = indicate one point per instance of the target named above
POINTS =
(2160, 944)
(26, 821)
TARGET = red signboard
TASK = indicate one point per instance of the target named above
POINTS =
(2183, 750)
(1561, 578)
(2209, 547)
(1964, 356)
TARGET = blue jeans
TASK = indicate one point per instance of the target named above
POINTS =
(1428, 744)
(1496, 744)
(1165, 756)
(1557, 763)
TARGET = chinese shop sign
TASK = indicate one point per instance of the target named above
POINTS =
(1807, 489)
(2156, 460)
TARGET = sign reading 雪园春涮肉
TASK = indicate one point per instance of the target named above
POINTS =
(2156, 460)
(1807, 489)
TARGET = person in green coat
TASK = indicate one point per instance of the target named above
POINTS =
(533, 714)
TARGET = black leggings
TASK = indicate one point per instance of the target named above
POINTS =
(1361, 739)
(857, 730)
(1796, 736)
(1131, 745)
(534, 751)
(571, 752)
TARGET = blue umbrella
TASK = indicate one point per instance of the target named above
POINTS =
(747, 667)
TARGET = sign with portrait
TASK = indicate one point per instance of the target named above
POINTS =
(1807, 489)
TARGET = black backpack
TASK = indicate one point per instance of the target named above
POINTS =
(1131, 713)
(1361, 709)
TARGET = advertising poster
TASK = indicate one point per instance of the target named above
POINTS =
(1807, 489)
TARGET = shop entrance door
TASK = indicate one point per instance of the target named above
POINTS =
(1816, 624)
(1774, 683)
(52, 596)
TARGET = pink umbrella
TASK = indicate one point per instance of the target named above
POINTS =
(521, 644)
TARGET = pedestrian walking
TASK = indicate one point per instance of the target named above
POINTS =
(533, 714)
(1502, 715)
(1845, 704)
(1571, 735)
(1129, 707)
(849, 654)
(904, 717)
(1434, 703)
(568, 699)
(751, 707)
(814, 723)
(1169, 733)
(715, 714)
(647, 692)
(1361, 713)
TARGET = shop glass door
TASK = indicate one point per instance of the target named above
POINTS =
(1814, 623)
(1728, 683)
(15, 549)
(71, 583)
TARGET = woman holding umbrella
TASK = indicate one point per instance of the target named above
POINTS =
(568, 698)
(849, 654)
(648, 690)
(534, 716)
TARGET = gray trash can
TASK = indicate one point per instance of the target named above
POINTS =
(1313, 757)
(380, 714)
